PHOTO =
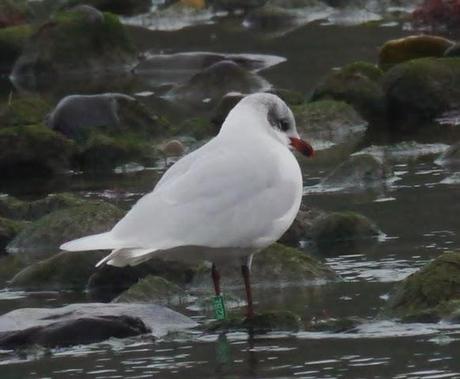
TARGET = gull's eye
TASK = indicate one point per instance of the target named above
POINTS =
(283, 125)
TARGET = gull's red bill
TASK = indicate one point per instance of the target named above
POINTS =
(303, 147)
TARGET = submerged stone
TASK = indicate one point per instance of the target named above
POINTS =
(428, 292)
(43, 237)
(359, 172)
(412, 47)
(87, 323)
(301, 228)
(342, 228)
(451, 157)
(332, 325)
(261, 323)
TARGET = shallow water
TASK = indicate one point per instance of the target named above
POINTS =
(418, 214)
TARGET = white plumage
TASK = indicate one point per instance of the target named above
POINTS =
(232, 197)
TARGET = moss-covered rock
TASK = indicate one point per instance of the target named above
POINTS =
(260, 323)
(342, 228)
(12, 41)
(197, 127)
(108, 281)
(13, 12)
(44, 236)
(8, 230)
(22, 111)
(412, 47)
(34, 150)
(420, 90)
(105, 152)
(290, 97)
(63, 271)
(301, 228)
(207, 87)
(122, 7)
(74, 42)
(431, 293)
(356, 84)
(359, 172)
(17, 209)
(224, 106)
(453, 51)
(151, 289)
(276, 266)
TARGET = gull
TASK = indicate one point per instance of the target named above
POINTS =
(227, 200)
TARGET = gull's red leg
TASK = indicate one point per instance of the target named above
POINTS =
(215, 279)
(247, 284)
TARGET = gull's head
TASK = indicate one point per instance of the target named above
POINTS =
(267, 113)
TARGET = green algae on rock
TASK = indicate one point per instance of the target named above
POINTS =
(405, 49)
(151, 289)
(33, 149)
(43, 237)
(63, 271)
(12, 42)
(72, 42)
(23, 111)
(431, 293)
(421, 89)
(358, 85)
(8, 230)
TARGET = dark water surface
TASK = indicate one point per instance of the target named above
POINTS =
(418, 214)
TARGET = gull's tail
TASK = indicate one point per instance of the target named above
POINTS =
(122, 253)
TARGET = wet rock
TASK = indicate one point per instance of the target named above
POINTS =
(198, 128)
(8, 230)
(290, 97)
(208, 86)
(43, 237)
(276, 266)
(13, 12)
(16, 209)
(260, 323)
(33, 150)
(301, 228)
(173, 148)
(332, 325)
(12, 41)
(73, 42)
(63, 326)
(412, 47)
(450, 158)
(359, 172)
(77, 115)
(343, 230)
(429, 293)
(183, 65)
(151, 289)
(69, 333)
(224, 106)
(334, 127)
(121, 7)
(63, 271)
(108, 281)
(419, 90)
(358, 85)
